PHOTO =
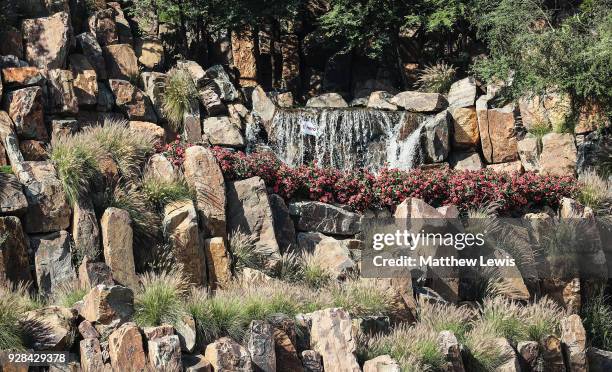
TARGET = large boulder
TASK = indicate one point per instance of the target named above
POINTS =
(574, 340)
(243, 51)
(118, 240)
(85, 80)
(93, 52)
(154, 84)
(334, 257)
(126, 350)
(124, 31)
(559, 154)
(132, 101)
(48, 209)
(462, 93)
(260, 344)
(150, 53)
(465, 128)
(93, 273)
(25, 107)
(102, 24)
(263, 107)
(144, 127)
(599, 360)
(180, 225)
(225, 88)
(420, 102)
(549, 110)
(497, 133)
(12, 199)
(51, 328)
(511, 364)
(105, 304)
(61, 97)
(227, 355)
(47, 40)
(165, 354)
(324, 218)
(248, 211)
(205, 177)
(380, 100)
(121, 62)
(465, 161)
(333, 337)
(52, 260)
(435, 138)
(14, 260)
(333, 100)
(221, 131)
(218, 262)
(450, 348)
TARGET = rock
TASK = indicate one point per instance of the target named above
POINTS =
(180, 225)
(462, 93)
(226, 89)
(529, 153)
(52, 260)
(124, 31)
(13, 42)
(332, 336)
(218, 262)
(559, 154)
(11, 61)
(550, 110)
(574, 339)
(105, 304)
(102, 25)
(283, 225)
(94, 54)
(87, 330)
(25, 107)
(465, 128)
(211, 101)
(512, 363)
(220, 131)
(382, 363)
(285, 100)
(203, 175)
(47, 40)
(324, 218)
(465, 161)
(117, 240)
(243, 51)
(150, 53)
(334, 257)
(22, 76)
(165, 354)
(227, 355)
(311, 361)
(153, 333)
(195, 70)
(435, 138)
(125, 349)
(61, 97)
(91, 355)
(192, 126)
(511, 167)
(85, 80)
(85, 230)
(529, 352)
(497, 135)
(149, 128)
(186, 332)
(161, 168)
(552, 354)
(590, 118)
(327, 100)
(196, 363)
(14, 260)
(263, 107)
(51, 328)
(105, 100)
(260, 344)
(599, 360)
(64, 127)
(248, 211)
(33, 150)
(92, 274)
(252, 278)
(290, 73)
(154, 84)
(132, 101)
(12, 199)
(121, 62)
(380, 100)
(420, 102)
(450, 348)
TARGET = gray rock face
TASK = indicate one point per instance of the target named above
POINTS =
(283, 225)
(435, 138)
(165, 353)
(221, 131)
(380, 100)
(324, 218)
(14, 261)
(102, 24)
(462, 93)
(118, 240)
(64, 127)
(61, 97)
(248, 210)
(154, 84)
(512, 363)
(85, 231)
(93, 273)
(211, 101)
(599, 360)
(335, 257)
(12, 199)
(91, 355)
(327, 100)
(465, 161)
(261, 346)
(186, 332)
(53, 260)
(311, 360)
(227, 355)
(227, 90)
(420, 102)
(47, 40)
(192, 124)
(25, 107)
(529, 153)
(93, 52)
(332, 336)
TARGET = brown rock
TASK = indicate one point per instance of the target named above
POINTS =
(91, 355)
(263, 107)
(192, 124)
(85, 230)
(227, 355)
(420, 102)
(465, 161)
(512, 363)
(121, 62)
(552, 354)
(14, 260)
(260, 344)
(529, 352)
(47, 40)
(25, 107)
(327, 100)
(152, 333)
(590, 118)
(161, 167)
(165, 354)
(205, 177)
(380, 100)
(125, 349)
(220, 131)
(12, 199)
(132, 101)
(334, 257)
(448, 345)
(180, 225)
(150, 53)
(529, 153)
(124, 31)
(87, 330)
(186, 331)
(105, 304)
(93, 52)
(196, 363)
(559, 154)
(21, 76)
(497, 134)
(574, 338)
(92, 274)
(60, 92)
(285, 100)
(311, 360)
(465, 125)
(102, 25)
(52, 261)
(50, 328)
(64, 127)
(286, 354)
(12, 44)
(290, 51)
(550, 110)
(511, 167)
(382, 363)
(117, 239)
(218, 262)
(146, 127)
(332, 337)
(33, 150)
(243, 50)
(85, 80)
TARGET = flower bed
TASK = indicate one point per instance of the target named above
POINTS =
(362, 190)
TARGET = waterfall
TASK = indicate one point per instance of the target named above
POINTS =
(346, 138)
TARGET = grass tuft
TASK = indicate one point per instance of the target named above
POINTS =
(595, 192)
(362, 297)
(597, 320)
(160, 191)
(314, 273)
(437, 78)
(14, 302)
(160, 298)
(69, 293)
(445, 317)
(245, 253)
(179, 96)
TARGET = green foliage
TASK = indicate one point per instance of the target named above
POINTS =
(161, 190)
(6, 169)
(314, 273)
(437, 78)
(595, 192)
(14, 302)
(445, 317)
(160, 299)
(539, 130)
(362, 298)
(69, 293)
(597, 320)
(245, 253)
(180, 94)
(483, 351)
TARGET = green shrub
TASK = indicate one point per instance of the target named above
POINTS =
(597, 319)
(245, 253)
(362, 297)
(314, 273)
(160, 298)
(505, 318)
(179, 96)
(289, 268)
(69, 293)
(483, 351)
(6, 169)
(162, 190)
(595, 192)
(437, 78)
(445, 317)
(14, 302)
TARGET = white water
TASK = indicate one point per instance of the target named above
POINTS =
(345, 138)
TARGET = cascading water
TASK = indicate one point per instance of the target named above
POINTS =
(347, 138)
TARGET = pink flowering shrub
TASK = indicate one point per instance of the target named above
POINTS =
(174, 151)
(361, 189)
